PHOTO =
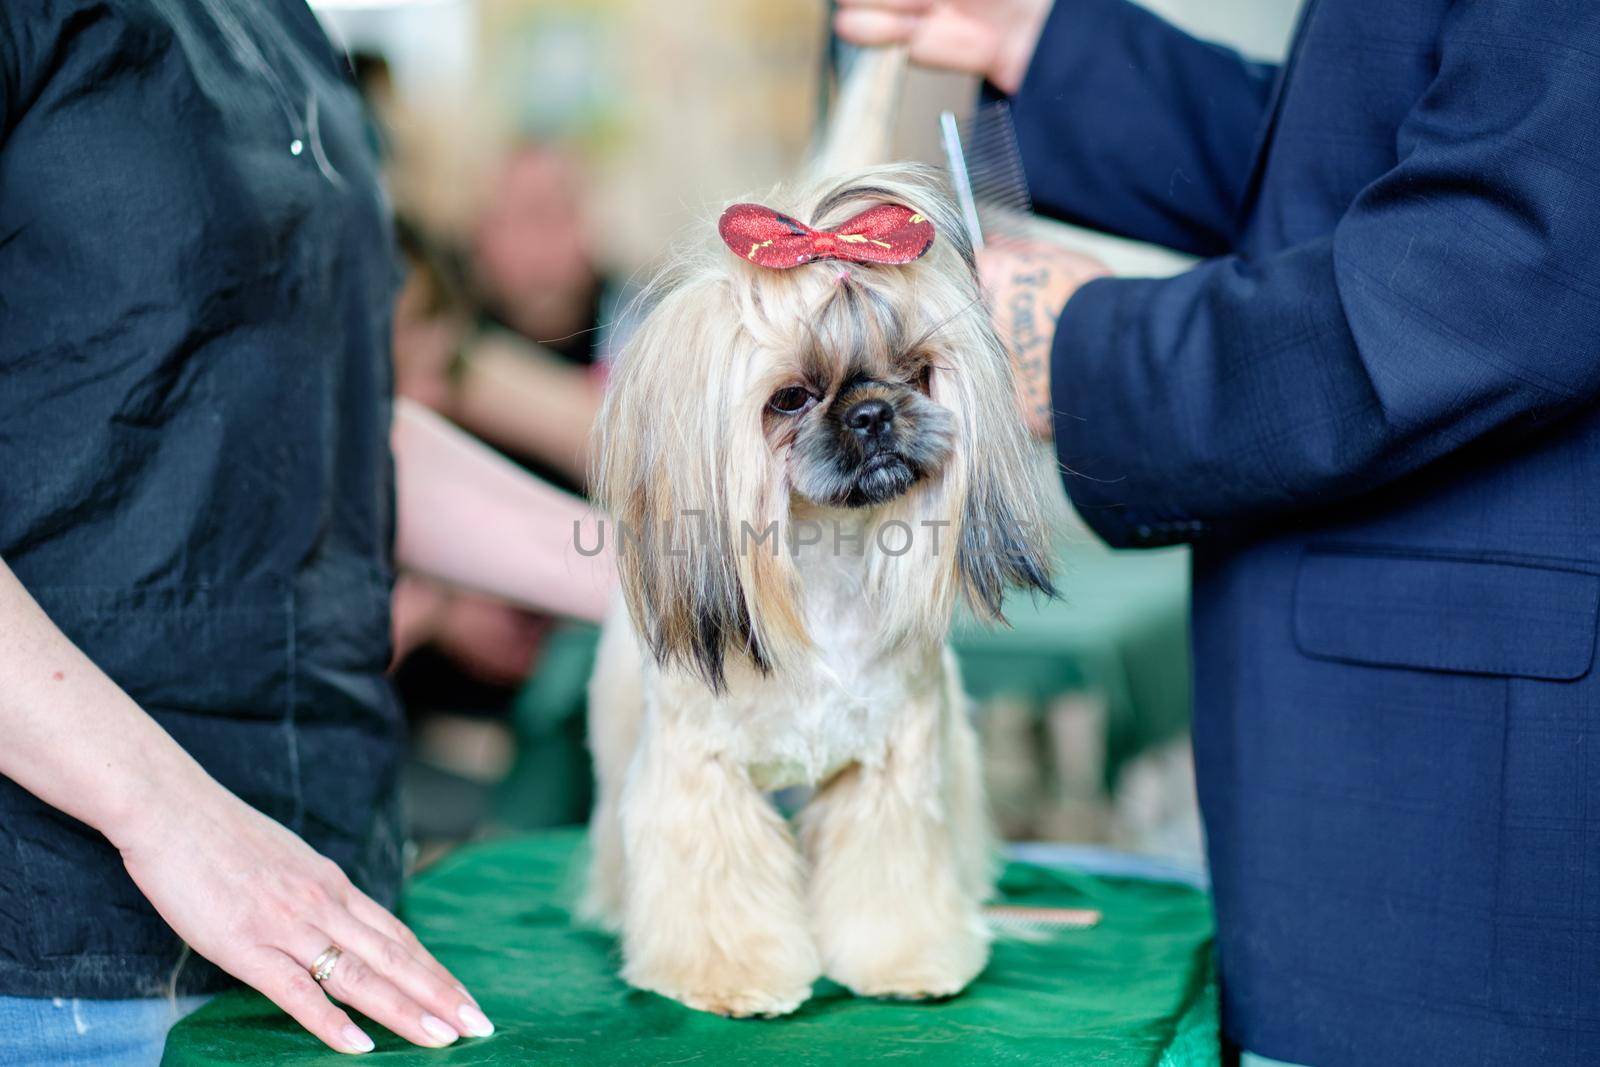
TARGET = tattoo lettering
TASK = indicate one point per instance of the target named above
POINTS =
(1032, 324)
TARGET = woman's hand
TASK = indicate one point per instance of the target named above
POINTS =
(244, 892)
(992, 38)
(1028, 284)
(257, 901)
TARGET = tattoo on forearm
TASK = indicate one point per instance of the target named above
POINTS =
(1032, 325)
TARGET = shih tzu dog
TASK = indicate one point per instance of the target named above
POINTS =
(810, 450)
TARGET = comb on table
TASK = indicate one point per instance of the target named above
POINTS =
(1023, 923)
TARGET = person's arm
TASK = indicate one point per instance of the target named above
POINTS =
(1125, 123)
(472, 518)
(1128, 125)
(520, 397)
(1458, 298)
(240, 889)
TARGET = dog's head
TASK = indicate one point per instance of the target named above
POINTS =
(749, 396)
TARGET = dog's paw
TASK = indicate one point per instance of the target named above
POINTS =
(737, 992)
(910, 985)
(736, 999)
(745, 1003)
(930, 971)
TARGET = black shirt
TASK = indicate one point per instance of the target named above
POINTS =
(196, 276)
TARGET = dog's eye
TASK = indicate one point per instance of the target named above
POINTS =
(790, 401)
(924, 380)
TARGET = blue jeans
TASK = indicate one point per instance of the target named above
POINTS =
(46, 1032)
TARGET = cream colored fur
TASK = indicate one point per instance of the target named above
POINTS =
(720, 903)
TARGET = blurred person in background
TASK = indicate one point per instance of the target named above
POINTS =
(1373, 412)
(462, 657)
(199, 524)
(532, 263)
(542, 306)
(499, 336)
(454, 354)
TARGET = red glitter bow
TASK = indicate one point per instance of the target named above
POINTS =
(887, 233)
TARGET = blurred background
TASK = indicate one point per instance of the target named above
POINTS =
(541, 156)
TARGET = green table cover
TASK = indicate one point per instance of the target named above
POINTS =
(1137, 989)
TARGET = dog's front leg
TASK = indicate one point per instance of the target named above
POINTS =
(899, 856)
(714, 915)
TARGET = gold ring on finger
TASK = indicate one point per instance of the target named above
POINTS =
(322, 967)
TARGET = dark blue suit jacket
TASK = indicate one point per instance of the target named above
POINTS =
(1373, 412)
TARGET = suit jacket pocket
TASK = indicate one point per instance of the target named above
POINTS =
(1443, 613)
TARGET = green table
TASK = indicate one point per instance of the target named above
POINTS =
(1137, 989)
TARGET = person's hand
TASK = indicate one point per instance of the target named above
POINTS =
(416, 611)
(991, 38)
(424, 339)
(490, 639)
(1028, 284)
(257, 901)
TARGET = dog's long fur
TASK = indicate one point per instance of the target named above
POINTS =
(742, 665)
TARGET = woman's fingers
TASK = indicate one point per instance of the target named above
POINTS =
(291, 987)
(285, 920)
(384, 921)
(358, 983)
(428, 985)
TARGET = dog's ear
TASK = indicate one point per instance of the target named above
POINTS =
(680, 582)
(680, 470)
(1003, 544)
(1004, 539)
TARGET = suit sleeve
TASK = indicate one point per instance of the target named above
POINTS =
(28, 29)
(1128, 125)
(1459, 298)
(8, 73)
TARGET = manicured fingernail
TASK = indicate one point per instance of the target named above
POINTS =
(476, 1022)
(439, 1030)
(355, 1040)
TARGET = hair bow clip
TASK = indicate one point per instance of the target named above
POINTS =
(887, 233)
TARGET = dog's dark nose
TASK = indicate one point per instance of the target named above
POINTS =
(870, 419)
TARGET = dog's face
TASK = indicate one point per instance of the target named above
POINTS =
(882, 389)
(856, 426)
